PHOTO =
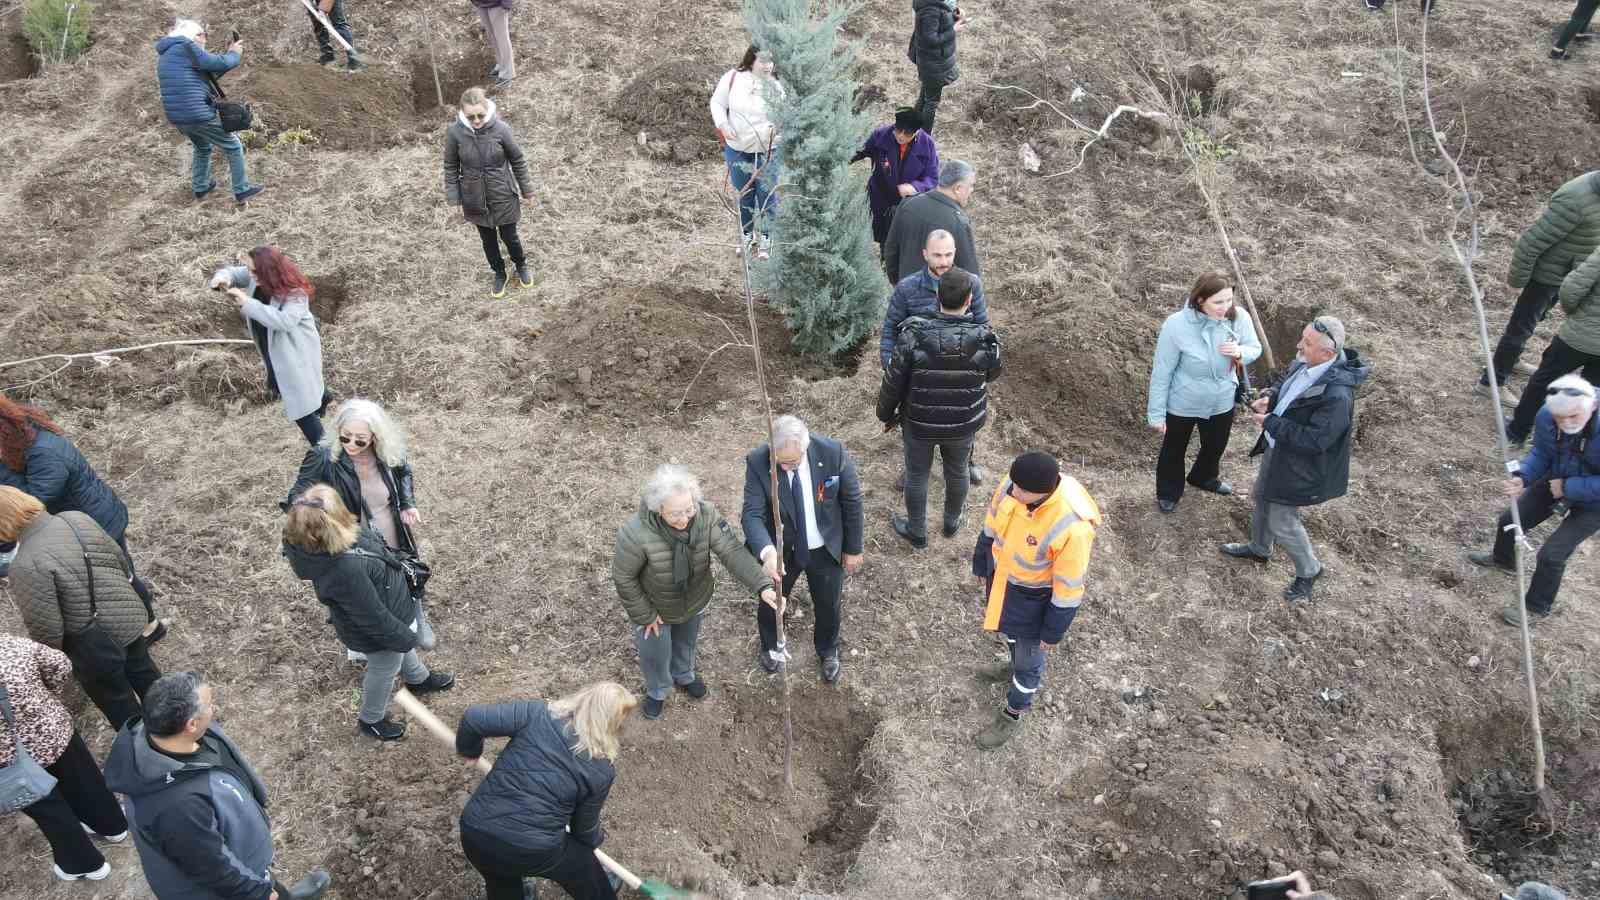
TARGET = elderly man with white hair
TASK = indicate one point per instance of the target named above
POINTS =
(186, 72)
(819, 499)
(662, 570)
(1559, 477)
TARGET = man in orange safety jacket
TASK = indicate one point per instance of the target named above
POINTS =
(1031, 558)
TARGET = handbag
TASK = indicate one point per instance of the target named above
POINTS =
(415, 570)
(235, 116)
(24, 782)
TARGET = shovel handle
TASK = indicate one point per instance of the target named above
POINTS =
(628, 878)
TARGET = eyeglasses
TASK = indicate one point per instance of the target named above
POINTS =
(356, 442)
(478, 118)
(1323, 330)
(1568, 392)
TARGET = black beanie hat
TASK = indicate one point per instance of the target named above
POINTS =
(906, 118)
(1036, 472)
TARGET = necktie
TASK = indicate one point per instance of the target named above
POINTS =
(797, 513)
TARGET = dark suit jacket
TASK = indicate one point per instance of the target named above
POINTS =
(838, 515)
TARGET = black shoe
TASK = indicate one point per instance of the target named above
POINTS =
(327, 59)
(1300, 588)
(1166, 506)
(385, 729)
(247, 193)
(950, 530)
(1216, 486)
(1560, 53)
(437, 681)
(314, 885)
(201, 195)
(1487, 559)
(154, 636)
(1374, 6)
(902, 527)
(830, 669)
(768, 664)
(1241, 551)
(975, 473)
(696, 689)
(651, 708)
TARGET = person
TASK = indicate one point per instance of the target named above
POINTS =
(198, 808)
(905, 163)
(486, 175)
(819, 495)
(37, 459)
(334, 11)
(1577, 28)
(936, 389)
(942, 208)
(368, 598)
(495, 17)
(80, 807)
(274, 300)
(1575, 346)
(933, 51)
(1297, 885)
(740, 109)
(537, 812)
(1031, 561)
(1194, 378)
(1305, 422)
(70, 584)
(182, 71)
(662, 570)
(365, 460)
(1559, 477)
(1535, 890)
(1566, 232)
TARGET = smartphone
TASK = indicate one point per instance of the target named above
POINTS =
(1275, 889)
(235, 39)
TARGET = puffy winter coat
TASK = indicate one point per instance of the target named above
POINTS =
(1190, 377)
(919, 168)
(1580, 298)
(1035, 560)
(1566, 232)
(1311, 462)
(538, 787)
(914, 219)
(641, 567)
(1575, 458)
(368, 599)
(937, 383)
(293, 344)
(50, 581)
(181, 65)
(933, 41)
(328, 464)
(485, 172)
(917, 294)
(58, 476)
(201, 831)
(34, 676)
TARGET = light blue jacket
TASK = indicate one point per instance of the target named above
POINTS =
(1190, 376)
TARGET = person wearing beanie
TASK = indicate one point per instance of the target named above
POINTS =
(905, 163)
(1031, 561)
(1305, 421)
(1560, 477)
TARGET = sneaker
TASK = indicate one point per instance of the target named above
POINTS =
(524, 277)
(97, 875)
(769, 664)
(1166, 506)
(499, 289)
(385, 729)
(1374, 6)
(1299, 589)
(696, 689)
(1560, 53)
(201, 195)
(950, 529)
(902, 527)
(651, 708)
(354, 64)
(1507, 395)
(764, 247)
(974, 473)
(1242, 551)
(435, 682)
(247, 193)
(1486, 558)
(830, 669)
(1512, 615)
(314, 885)
(1002, 729)
(108, 838)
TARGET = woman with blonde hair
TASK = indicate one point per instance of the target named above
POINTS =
(368, 597)
(486, 175)
(537, 812)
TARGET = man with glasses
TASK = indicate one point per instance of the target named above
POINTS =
(1575, 346)
(1560, 477)
(1304, 447)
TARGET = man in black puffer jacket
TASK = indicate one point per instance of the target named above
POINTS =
(933, 50)
(936, 388)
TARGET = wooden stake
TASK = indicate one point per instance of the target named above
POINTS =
(438, 89)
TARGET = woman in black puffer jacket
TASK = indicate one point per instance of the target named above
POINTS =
(368, 598)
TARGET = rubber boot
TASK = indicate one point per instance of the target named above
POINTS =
(1002, 729)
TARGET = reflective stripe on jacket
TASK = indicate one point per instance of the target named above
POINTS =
(1046, 547)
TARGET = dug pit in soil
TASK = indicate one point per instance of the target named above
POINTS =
(329, 297)
(16, 56)
(456, 74)
(667, 102)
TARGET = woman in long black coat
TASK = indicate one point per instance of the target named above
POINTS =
(486, 175)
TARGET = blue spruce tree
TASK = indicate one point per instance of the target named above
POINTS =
(824, 275)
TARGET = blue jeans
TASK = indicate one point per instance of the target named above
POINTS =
(205, 136)
(1027, 671)
(756, 200)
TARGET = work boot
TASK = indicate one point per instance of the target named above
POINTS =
(1002, 729)
(436, 681)
(1488, 560)
(385, 729)
(1512, 615)
(1300, 588)
(997, 671)
(314, 885)
(830, 668)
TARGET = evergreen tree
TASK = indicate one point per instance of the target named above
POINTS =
(824, 275)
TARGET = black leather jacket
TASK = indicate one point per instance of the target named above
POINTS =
(936, 385)
(320, 466)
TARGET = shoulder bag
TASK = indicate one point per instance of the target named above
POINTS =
(24, 782)
(235, 116)
(415, 570)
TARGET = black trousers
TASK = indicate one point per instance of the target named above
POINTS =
(80, 795)
(928, 102)
(1582, 15)
(1214, 433)
(116, 686)
(1533, 304)
(881, 219)
(310, 425)
(491, 246)
(825, 578)
(1534, 506)
(137, 583)
(1559, 358)
(340, 24)
(572, 865)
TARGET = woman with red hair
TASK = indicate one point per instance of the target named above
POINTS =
(275, 300)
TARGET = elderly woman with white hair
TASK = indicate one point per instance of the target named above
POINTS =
(1559, 477)
(662, 570)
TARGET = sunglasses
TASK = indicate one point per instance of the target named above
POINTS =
(356, 442)
(480, 118)
(1568, 392)
(1323, 330)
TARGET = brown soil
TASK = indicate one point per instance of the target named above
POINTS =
(667, 102)
(16, 55)
(342, 110)
(456, 74)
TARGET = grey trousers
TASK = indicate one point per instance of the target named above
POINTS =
(667, 658)
(377, 686)
(1276, 522)
(497, 25)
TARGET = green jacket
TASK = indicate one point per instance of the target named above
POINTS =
(642, 565)
(1567, 231)
(1580, 298)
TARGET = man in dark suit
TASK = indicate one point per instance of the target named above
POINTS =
(820, 499)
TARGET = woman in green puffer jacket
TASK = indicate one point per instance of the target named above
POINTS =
(1575, 346)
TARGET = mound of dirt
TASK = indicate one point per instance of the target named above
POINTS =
(668, 103)
(342, 110)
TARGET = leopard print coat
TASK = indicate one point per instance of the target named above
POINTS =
(34, 677)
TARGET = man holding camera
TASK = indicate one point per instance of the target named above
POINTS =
(184, 70)
(1305, 423)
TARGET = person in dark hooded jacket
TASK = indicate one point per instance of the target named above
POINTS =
(1306, 421)
(537, 812)
(486, 175)
(368, 597)
(933, 50)
(197, 809)
(182, 67)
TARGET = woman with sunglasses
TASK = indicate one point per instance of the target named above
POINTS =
(486, 175)
(364, 459)
(274, 299)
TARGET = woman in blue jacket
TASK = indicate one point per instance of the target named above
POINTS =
(905, 163)
(1199, 355)
(537, 812)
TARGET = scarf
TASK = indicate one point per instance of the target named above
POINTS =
(680, 557)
